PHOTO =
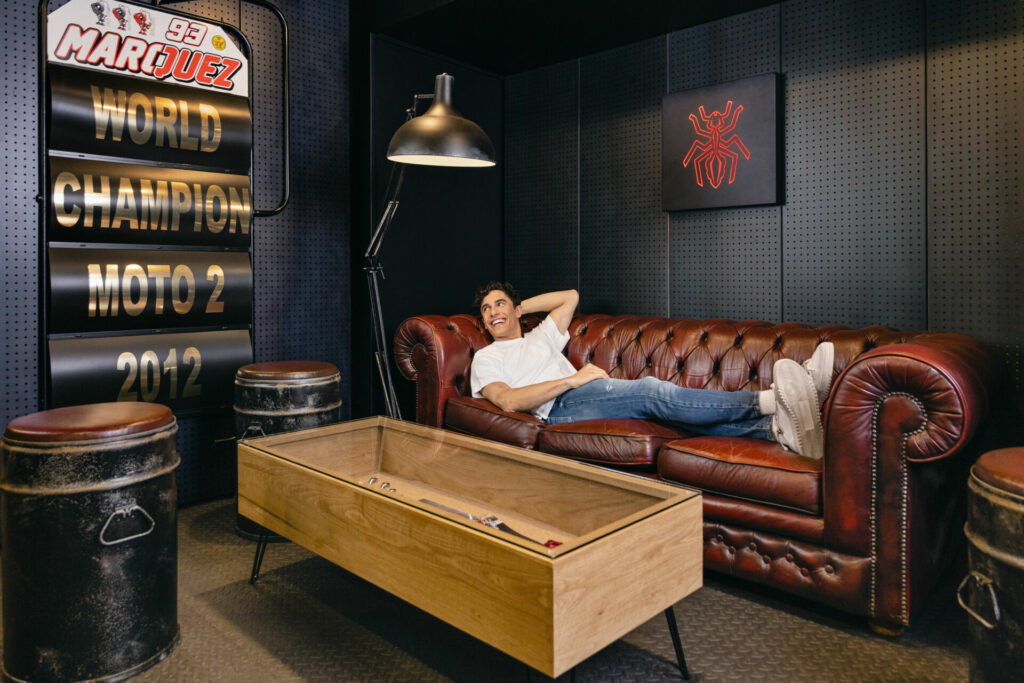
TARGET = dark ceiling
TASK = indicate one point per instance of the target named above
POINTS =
(517, 35)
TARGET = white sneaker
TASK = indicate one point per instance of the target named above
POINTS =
(819, 367)
(797, 421)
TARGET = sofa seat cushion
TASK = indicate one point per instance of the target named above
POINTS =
(480, 417)
(750, 469)
(622, 443)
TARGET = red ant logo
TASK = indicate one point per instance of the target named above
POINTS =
(715, 153)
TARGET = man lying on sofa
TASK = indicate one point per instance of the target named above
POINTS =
(530, 373)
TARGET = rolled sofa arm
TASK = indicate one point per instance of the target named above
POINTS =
(895, 417)
(435, 352)
(946, 376)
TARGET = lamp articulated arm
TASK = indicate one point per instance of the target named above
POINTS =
(374, 274)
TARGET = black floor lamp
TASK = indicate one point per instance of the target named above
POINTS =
(440, 137)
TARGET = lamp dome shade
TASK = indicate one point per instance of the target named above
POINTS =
(440, 137)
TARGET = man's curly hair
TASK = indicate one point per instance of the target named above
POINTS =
(490, 287)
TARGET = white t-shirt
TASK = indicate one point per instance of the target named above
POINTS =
(533, 358)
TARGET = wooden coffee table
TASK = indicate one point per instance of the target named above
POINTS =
(578, 557)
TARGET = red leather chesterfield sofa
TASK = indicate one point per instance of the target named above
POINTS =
(868, 529)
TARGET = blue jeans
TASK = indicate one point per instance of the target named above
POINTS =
(701, 411)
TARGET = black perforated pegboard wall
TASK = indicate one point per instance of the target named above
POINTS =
(542, 179)
(301, 263)
(19, 362)
(726, 262)
(300, 257)
(623, 231)
(854, 219)
(975, 174)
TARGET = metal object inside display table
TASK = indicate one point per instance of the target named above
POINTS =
(546, 559)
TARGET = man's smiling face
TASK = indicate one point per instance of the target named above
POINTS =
(500, 317)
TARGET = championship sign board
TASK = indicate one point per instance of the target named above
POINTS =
(185, 370)
(103, 201)
(96, 113)
(96, 290)
(149, 206)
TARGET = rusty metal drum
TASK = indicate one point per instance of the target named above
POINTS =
(90, 556)
(993, 591)
(283, 396)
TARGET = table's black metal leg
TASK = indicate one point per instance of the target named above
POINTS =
(257, 560)
(673, 629)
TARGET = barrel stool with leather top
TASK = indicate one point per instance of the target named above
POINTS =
(283, 396)
(993, 591)
(90, 557)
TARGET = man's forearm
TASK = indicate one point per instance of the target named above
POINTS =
(533, 395)
(561, 306)
(549, 301)
(529, 397)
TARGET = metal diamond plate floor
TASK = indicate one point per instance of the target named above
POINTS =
(308, 620)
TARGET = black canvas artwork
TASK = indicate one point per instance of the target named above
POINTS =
(721, 145)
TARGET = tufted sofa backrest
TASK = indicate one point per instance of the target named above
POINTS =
(710, 354)
(702, 354)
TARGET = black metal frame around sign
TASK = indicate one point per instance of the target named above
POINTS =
(44, 197)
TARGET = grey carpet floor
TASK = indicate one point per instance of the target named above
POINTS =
(308, 620)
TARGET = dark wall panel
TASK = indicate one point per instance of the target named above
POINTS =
(623, 231)
(542, 179)
(301, 261)
(19, 362)
(976, 173)
(224, 11)
(726, 262)
(854, 220)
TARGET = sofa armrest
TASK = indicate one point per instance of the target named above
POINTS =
(435, 352)
(895, 418)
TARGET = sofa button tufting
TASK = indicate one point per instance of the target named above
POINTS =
(752, 546)
(803, 571)
(719, 538)
(789, 557)
(829, 569)
(767, 559)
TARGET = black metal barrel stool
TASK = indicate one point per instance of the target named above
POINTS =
(90, 553)
(283, 396)
(993, 590)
